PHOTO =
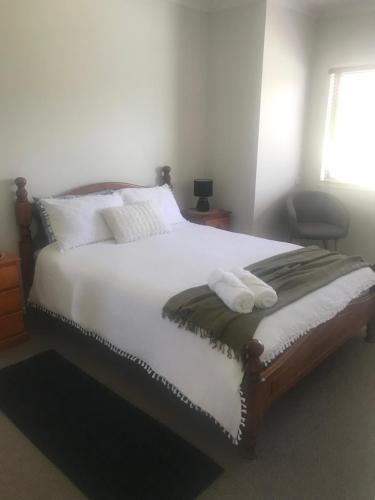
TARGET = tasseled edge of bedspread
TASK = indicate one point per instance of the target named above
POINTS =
(172, 388)
(214, 342)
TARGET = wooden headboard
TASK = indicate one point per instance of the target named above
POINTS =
(27, 216)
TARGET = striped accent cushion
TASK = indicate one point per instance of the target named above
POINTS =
(135, 221)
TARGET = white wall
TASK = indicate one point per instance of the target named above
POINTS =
(95, 90)
(286, 64)
(236, 39)
(340, 41)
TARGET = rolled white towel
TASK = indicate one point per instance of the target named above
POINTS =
(265, 295)
(231, 291)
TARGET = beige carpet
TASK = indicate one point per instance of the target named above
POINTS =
(318, 442)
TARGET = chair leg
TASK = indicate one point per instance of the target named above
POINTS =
(335, 245)
(325, 244)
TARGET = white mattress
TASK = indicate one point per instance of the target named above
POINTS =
(118, 292)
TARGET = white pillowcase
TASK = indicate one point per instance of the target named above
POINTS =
(78, 221)
(135, 221)
(163, 197)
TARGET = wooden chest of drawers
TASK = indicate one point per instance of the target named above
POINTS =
(12, 329)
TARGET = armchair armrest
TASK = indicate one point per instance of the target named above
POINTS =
(338, 214)
(292, 215)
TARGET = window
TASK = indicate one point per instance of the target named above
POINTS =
(349, 150)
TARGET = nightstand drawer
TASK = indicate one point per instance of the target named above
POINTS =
(8, 277)
(216, 217)
(10, 301)
(11, 324)
(218, 223)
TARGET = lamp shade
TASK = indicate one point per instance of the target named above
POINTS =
(203, 187)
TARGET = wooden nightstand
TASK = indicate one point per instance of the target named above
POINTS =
(12, 328)
(215, 217)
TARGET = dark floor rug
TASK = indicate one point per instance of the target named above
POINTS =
(107, 447)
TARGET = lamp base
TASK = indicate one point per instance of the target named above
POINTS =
(203, 205)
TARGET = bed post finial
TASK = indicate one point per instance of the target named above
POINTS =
(165, 176)
(251, 359)
(253, 391)
(24, 210)
(21, 192)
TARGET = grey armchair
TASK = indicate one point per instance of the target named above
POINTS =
(315, 215)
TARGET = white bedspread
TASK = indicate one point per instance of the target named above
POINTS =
(118, 291)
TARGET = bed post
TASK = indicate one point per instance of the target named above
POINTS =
(254, 391)
(24, 210)
(165, 176)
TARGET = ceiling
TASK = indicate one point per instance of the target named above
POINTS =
(311, 6)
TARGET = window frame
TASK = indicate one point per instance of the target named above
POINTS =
(335, 75)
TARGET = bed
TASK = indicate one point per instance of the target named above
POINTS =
(106, 278)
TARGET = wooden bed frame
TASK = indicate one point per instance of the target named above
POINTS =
(261, 385)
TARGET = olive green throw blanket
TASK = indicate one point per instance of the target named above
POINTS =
(293, 275)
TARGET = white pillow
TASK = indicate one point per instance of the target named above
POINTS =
(135, 221)
(78, 221)
(162, 195)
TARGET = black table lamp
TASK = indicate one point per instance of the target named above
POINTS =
(203, 189)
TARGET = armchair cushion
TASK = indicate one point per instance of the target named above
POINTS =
(317, 215)
(319, 231)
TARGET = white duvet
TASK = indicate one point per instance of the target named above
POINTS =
(118, 292)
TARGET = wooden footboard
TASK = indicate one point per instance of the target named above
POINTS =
(261, 386)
